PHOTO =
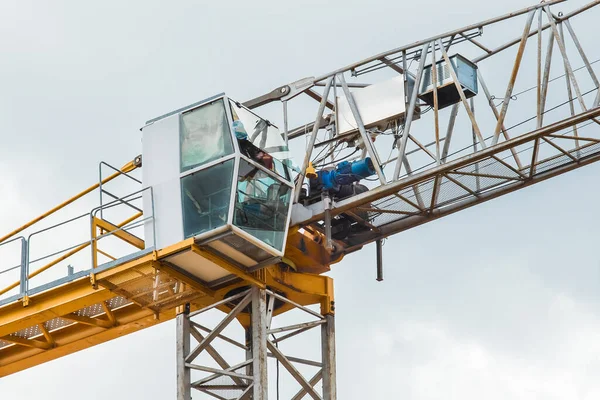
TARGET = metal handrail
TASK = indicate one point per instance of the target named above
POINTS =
(94, 239)
(126, 168)
(117, 201)
(128, 224)
(23, 266)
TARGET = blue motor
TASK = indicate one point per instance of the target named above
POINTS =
(345, 173)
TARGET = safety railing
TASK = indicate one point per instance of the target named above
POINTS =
(36, 257)
(101, 228)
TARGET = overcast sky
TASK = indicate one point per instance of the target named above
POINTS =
(498, 301)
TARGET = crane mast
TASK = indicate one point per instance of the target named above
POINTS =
(224, 211)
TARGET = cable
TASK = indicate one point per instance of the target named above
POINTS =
(514, 96)
(314, 160)
(341, 159)
(572, 130)
(317, 160)
(277, 365)
(548, 110)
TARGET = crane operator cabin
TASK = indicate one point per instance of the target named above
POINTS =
(220, 174)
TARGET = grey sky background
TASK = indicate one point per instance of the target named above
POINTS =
(498, 301)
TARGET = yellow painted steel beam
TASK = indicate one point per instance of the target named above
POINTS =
(303, 288)
(116, 230)
(106, 254)
(228, 266)
(88, 321)
(36, 344)
(61, 300)
(79, 337)
(47, 334)
(73, 338)
(54, 303)
(84, 332)
(186, 279)
(307, 251)
(109, 314)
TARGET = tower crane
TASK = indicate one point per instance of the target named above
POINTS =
(228, 210)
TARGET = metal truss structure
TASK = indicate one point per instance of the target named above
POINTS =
(439, 164)
(247, 378)
(429, 162)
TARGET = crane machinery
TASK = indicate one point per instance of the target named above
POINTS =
(216, 215)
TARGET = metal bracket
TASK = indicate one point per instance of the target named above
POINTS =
(283, 93)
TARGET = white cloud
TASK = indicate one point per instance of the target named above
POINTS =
(426, 360)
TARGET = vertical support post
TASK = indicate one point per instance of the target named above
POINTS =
(248, 343)
(94, 243)
(100, 190)
(474, 137)
(94, 250)
(285, 121)
(543, 93)
(405, 79)
(328, 358)
(184, 388)
(259, 344)
(410, 111)
(336, 122)
(436, 121)
(24, 282)
(539, 69)
(379, 247)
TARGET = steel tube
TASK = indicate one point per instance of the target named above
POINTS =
(361, 128)
(585, 59)
(410, 111)
(448, 139)
(126, 168)
(379, 249)
(513, 77)
(496, 115)
(436, 119)
(183, 349)
(259, 342)
(579, 10)
(410, 180)
(433, 38)
(568, 83)
(328, 358)
(313, 139)
(563, 51)
(463, 99)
